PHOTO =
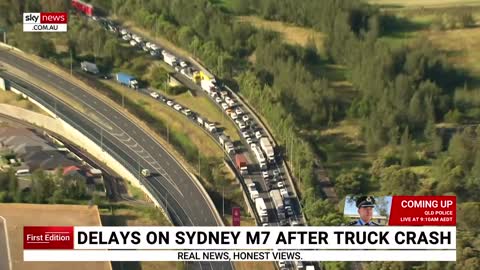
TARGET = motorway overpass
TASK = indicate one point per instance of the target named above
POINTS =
(132, 146)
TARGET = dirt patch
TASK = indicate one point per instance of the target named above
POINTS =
(292, 34)
(19, 215)
(462, 45)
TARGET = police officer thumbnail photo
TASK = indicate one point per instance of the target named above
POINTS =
(367, 210)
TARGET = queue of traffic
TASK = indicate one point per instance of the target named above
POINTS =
(264, 176)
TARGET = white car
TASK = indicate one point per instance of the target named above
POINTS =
(187, 112)
(155, 95)
(183, 64)
(249, 140)
(233, 115)
(218, 100)
(242, 125)
(133, 43)
(238, 110)
(213, 94)
(227, 99)
(177, 107)
(280, 184)
(246, 134)
(258, 135)
(245, 118)
(170, 103)
(265, 224)
(224, 106)
(123, 31)
(126, 37)
(231, 102)
(282, 264)
(253, 146)
(265, 174)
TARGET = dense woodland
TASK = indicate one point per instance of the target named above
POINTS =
(402, 94)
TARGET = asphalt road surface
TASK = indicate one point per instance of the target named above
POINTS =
(128, 143)
(4, 258)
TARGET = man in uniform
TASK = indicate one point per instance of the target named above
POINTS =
(365, 205)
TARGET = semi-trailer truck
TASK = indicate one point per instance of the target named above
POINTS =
(127, 80)
(267, 148)
(278, 203)
(169, 58)
(208, 85)
(241, 163)
(260, 158)
(261, 209)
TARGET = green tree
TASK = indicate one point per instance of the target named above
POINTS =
(351, 182)
(397, 181)
(406, 148)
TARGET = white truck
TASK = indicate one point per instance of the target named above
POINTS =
(254, 194)
(89, 67)
(229, 147)
(200, 121)
(267, 148)
(169, 58)
(210, 127)
(260, 157)
(278, 203)
(207, 85)
(261, 209)
(223, 139)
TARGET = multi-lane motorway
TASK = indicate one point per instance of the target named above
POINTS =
(170, 183)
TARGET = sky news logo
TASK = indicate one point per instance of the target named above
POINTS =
(45, 22)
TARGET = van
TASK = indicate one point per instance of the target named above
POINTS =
(200, 121)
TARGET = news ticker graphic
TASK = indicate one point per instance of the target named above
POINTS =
(423, 211)
(342, 243)
(45, 22)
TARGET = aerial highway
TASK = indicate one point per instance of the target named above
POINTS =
(132, 146)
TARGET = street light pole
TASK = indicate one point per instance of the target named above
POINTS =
(55, 104)
(223, 200)
(101, 138)
(168, 134)
(199, 171)
(71, 63)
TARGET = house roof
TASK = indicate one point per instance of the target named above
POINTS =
(47, 160)
(36, 152)
(69, 169)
